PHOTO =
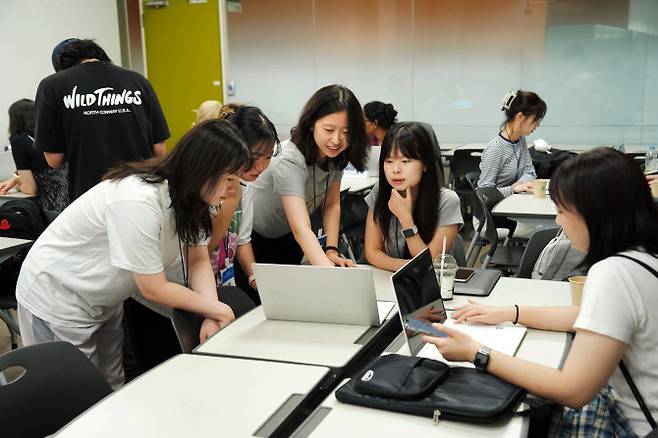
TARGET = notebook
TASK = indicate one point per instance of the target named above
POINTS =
(319, 294)
(418, 296)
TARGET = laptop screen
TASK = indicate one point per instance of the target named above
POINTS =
(418, 296)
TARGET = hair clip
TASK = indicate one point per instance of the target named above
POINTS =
(508, 99)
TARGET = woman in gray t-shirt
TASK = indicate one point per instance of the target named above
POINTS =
(304, 181)
(409, 210)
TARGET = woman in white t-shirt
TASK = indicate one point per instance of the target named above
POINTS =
(408, 209)
(233, 224)
(121, 237)
(305, 180)
(605, 208)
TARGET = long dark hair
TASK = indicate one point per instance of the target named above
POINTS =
(412, 141)
(256, 129)
(524, 102)
(21, 117)
(607, 188)
(328, 100)
(205, 153)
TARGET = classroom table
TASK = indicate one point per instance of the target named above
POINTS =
(333, 418)
(192, 395)
(10, 246)
(333, 345)
(14, 194)
(529, 209)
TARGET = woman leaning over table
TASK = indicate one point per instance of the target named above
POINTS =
(604, 205)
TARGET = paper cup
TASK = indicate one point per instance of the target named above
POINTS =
(539, 187)
(654, 189)
(577, 282)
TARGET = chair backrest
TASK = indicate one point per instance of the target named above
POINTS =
(488, 198)
(458, 251)
(472, 179)
(59, 384)
(464, 161)
(187, 326)
(537, 242)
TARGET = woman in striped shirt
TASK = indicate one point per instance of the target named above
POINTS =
(506, 162)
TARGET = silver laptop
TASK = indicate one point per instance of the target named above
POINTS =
(418, 296)
(317, 293)
(373, 161)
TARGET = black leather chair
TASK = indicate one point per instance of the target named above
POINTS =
(58, 384)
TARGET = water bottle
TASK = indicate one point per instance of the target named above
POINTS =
(650, 159)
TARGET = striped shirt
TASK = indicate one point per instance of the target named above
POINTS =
(504, 164)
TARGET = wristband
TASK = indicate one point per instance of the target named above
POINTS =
(252, 278)
(516, 320)
(331, 248)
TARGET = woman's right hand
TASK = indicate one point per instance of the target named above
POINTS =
(223, 314)
(523, 187)
(479, 313)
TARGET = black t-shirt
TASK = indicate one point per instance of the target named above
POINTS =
(99, 115)
(26, 157)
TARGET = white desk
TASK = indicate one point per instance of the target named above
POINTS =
(528, 209)
(196, 396)
(449, 153)
(357, 182)
(9, 246)
(254, 337)
(538, 346)
(14, 194)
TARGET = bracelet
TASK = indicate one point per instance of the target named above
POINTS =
(516, 320)
(252, 278)
(331, 248)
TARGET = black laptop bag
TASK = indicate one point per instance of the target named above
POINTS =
(429, 388)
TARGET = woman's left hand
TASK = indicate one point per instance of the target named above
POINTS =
(208, 328)
(402, 206)
(337, 260)
(456, 346)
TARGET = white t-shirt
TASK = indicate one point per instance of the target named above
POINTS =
(620, 300)
(82, 266)
(288, 175)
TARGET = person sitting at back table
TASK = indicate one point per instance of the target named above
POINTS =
(506, 163)
(603, 204)
(379, 117)
(33, 175)
(409, 209)
(305, 179)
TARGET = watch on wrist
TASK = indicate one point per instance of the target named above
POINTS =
(482, 358)
(409, 232)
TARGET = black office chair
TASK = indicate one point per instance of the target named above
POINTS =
(463, 162)
(505, 256)
(58, 384)
(458, 251)
(536, 244)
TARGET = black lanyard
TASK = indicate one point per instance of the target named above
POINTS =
(183, 263)
(326, 189)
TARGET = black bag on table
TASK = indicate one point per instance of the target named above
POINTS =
(429, 388)
(547, 162)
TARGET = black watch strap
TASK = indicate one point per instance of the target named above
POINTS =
(482, 358)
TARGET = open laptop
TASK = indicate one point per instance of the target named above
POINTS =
(319, 294)
(7, 166)
(418, 296)
(373, 161)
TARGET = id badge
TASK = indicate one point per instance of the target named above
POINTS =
(228, 274)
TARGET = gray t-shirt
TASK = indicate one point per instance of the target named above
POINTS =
(449, 214)
(288, 175)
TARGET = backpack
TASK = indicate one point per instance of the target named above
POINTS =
(546, 162)
(21, 219)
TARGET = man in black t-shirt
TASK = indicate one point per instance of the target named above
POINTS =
(95, 115)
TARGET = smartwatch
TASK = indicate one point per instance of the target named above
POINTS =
(409, 232)
(482, 358)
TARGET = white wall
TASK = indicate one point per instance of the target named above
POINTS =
(30, 29)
